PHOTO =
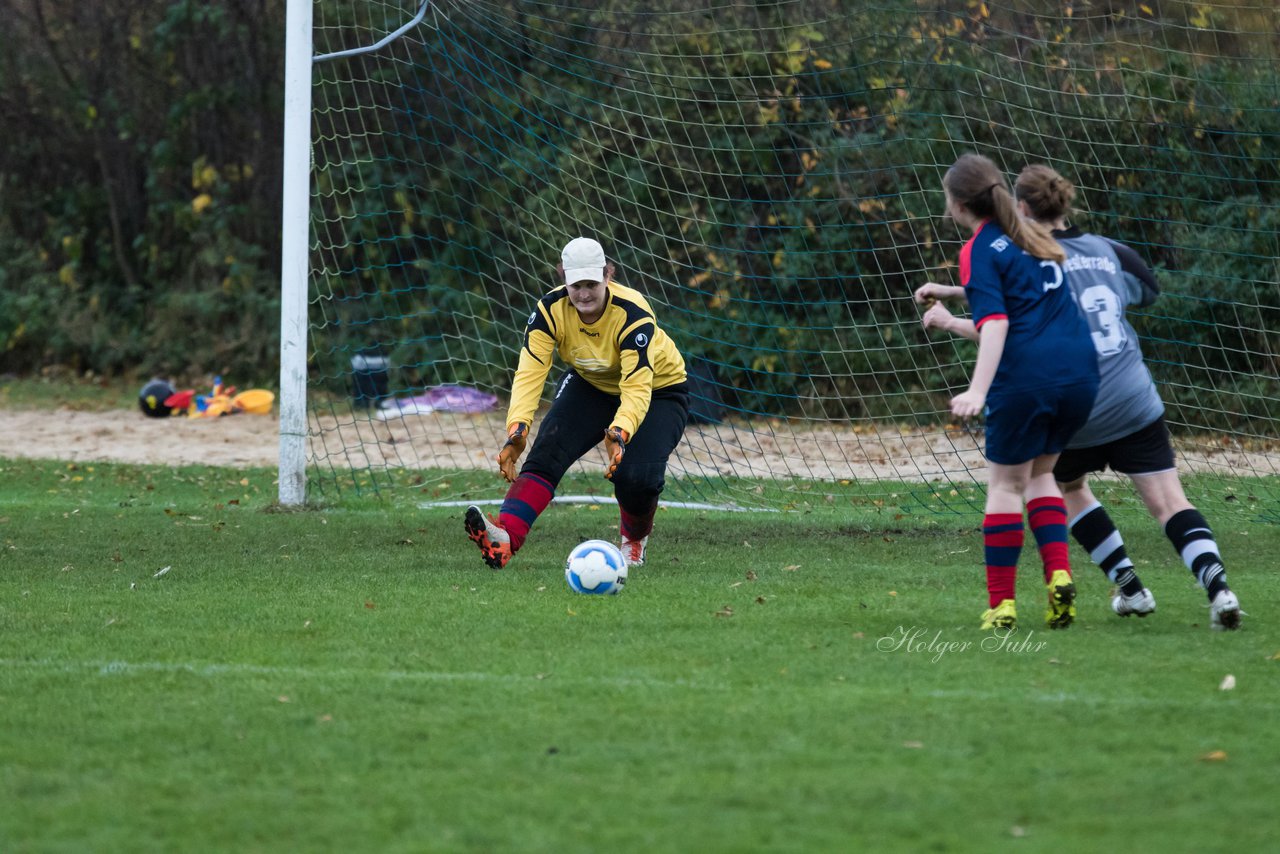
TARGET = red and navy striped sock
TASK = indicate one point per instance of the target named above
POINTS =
(636, 526)
(525, 501)
(1048, 519)
(1002, 537)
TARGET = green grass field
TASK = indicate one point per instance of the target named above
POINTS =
(354, 679)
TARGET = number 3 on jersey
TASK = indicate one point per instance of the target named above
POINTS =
(1103, 311)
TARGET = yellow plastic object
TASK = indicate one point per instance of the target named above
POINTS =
(255, 401)
(217, 406)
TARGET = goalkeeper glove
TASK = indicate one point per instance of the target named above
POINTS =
(615, 445)
(512, 450)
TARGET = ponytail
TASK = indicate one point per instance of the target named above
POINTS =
(1028, 234)
(975, 182)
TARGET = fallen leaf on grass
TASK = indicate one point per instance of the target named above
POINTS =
(914, 745)
(751, 576)
(726, 611)
(791, 568)
(1214, 756)
(370, 605)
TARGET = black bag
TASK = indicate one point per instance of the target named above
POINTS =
(705, 405)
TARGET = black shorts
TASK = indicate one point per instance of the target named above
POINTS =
(1146, 451)
(579, 414)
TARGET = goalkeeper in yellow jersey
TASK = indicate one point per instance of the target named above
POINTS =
(625, 385)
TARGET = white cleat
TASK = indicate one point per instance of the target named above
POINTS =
(633, 551)
(1224, 612)
(1137, 605)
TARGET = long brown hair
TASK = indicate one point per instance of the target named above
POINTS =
(975, 182)
(1046, 192)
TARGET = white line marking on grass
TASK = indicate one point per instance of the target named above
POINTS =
(214, 669)
(116, 668)
(604, 499)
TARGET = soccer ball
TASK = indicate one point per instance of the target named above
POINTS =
(596, 567)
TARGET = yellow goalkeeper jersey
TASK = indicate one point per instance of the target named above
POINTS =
(622, 353)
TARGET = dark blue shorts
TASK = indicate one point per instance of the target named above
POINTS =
(1023, 425)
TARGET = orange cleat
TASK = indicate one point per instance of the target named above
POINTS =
(492, 538)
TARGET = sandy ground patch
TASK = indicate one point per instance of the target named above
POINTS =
(773, 449)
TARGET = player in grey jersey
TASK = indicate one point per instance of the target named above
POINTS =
(1126, 430)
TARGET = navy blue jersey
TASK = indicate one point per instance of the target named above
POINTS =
(1049, 344)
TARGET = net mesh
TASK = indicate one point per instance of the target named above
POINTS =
(769, 175)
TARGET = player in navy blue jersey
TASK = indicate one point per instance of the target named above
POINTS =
(1036, 377)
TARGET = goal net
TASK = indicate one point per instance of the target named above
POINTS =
(768, 174)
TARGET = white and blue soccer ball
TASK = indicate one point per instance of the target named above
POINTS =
(596, 567)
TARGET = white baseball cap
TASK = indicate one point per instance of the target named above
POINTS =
(583, 258)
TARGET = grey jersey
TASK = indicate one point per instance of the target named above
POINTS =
(1106, 278)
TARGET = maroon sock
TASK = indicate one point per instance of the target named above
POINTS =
(525, 501)
(635, 526)
(1002, 537)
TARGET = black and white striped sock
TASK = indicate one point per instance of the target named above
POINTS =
(1094, 530)
(1194, 542)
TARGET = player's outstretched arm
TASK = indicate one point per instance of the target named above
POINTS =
(1137, 275)
(930, 292)
(939, 317)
